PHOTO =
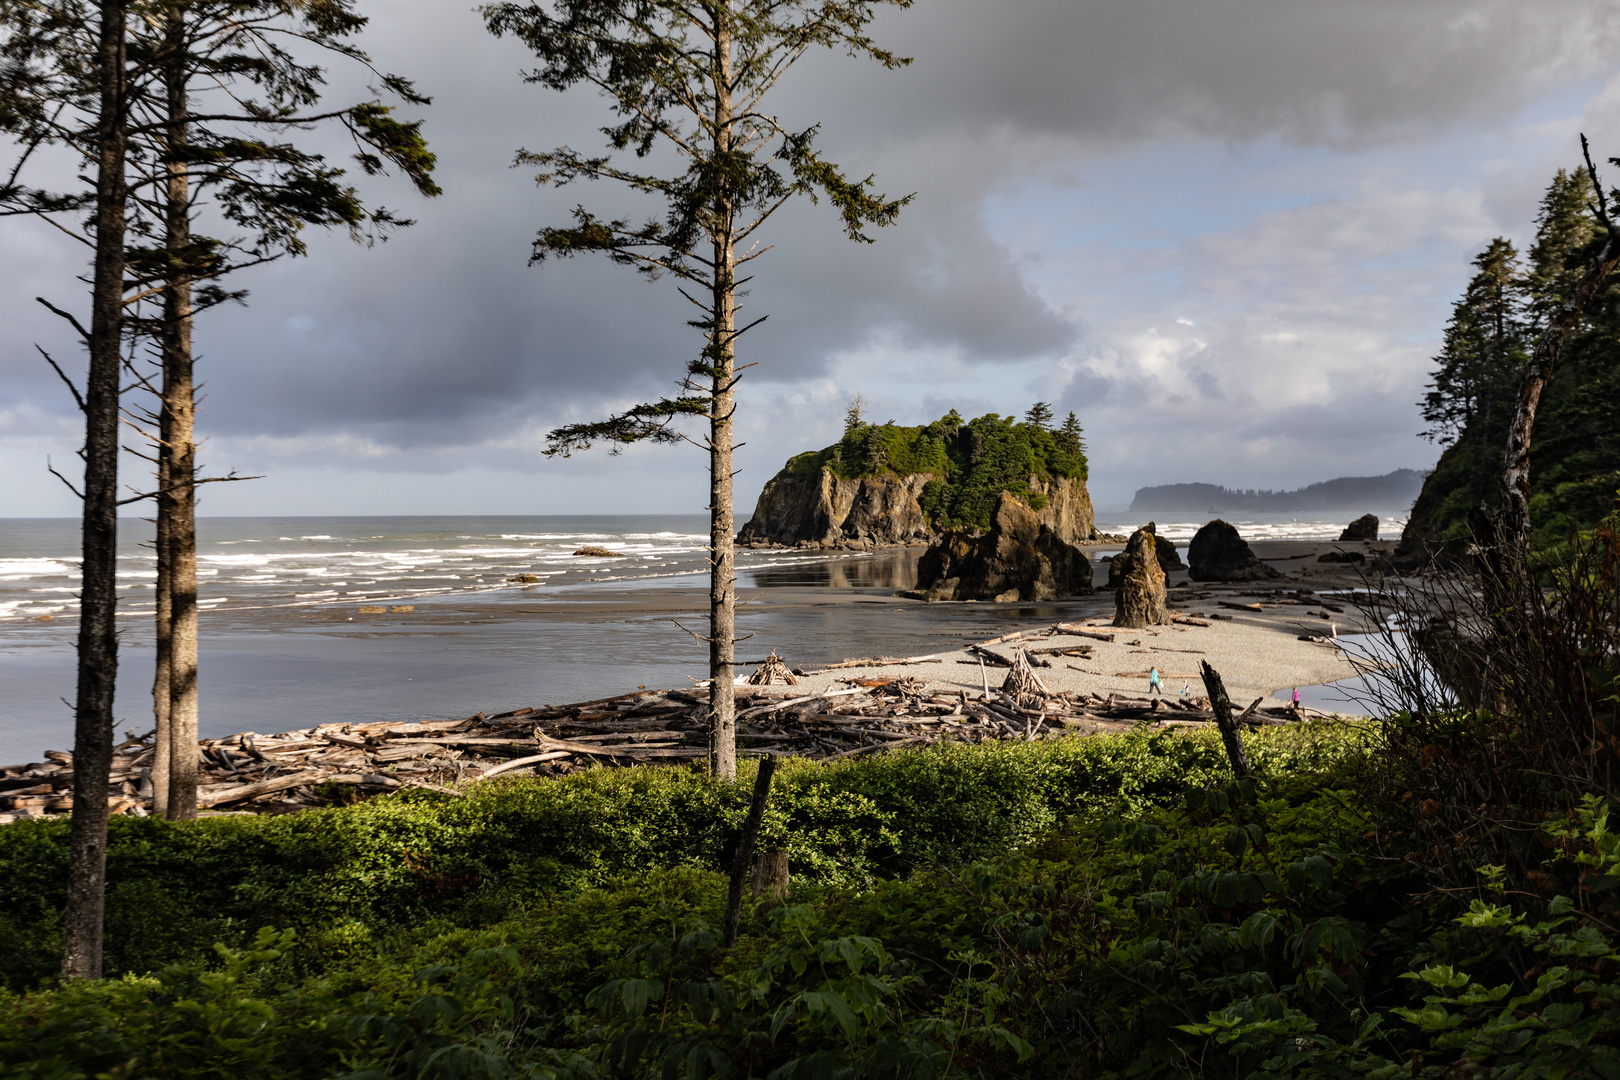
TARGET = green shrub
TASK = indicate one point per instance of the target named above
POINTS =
(338, 874)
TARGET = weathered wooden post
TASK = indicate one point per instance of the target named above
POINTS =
(1222, 705)
(744, 857)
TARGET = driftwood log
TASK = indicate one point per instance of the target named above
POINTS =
(335, 763)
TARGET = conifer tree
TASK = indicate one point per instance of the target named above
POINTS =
(855, 415)
(1565, 234)
(1071, 436)
(693, 78)
(65, 77)
(1475, 375)
(92, 79)
(213, 138)
(1039, 416)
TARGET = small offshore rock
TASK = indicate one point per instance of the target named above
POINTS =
(526, 579)
(601, 552)
(1218, 553)
(1364, 527)
(1169, 558)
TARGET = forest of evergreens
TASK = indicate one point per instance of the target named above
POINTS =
(1575, 457)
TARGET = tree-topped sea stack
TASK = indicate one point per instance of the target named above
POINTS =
(885, 484)
(1139, 592)
(1218, 553)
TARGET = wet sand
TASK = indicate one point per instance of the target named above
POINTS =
(274, 670)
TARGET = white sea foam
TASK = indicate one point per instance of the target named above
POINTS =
(13, 569)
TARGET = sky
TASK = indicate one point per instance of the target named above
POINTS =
(1226, 234)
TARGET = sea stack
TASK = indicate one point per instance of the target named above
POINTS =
(1139, 594)
(1218, 553)
(1364, 527)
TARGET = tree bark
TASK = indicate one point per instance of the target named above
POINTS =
(721, 359)
(163, 621)
(742, 859)
(177, 500)
(1221, 704)
(98, 639)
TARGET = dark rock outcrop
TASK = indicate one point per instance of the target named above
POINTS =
(825, 510)
(1364, 527)
(1139, 595)
(1020, 558)
(1342, 557)
(1218, 553)
(1169, 559)
(1166, 549)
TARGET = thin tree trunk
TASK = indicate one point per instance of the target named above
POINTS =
(98, 638)
(163, 625)
(177, 504)
(722, 534)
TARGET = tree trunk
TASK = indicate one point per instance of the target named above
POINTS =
(1539, 369)
(1221, 705)
(98, 638)
(742, 858)
(721, 360)
(162, 624)
(177, 502)
(771, 879)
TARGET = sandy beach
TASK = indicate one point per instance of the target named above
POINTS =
(435, 658)
(1257, 652)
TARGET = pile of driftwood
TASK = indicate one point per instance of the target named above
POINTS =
(337, 762)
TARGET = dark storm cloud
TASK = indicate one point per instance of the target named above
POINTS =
(443, 337)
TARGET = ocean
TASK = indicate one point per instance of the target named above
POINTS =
(285, 643)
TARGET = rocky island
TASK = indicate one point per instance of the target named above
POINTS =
(886, 485)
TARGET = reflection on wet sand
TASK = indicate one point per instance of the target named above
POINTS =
(895, 569)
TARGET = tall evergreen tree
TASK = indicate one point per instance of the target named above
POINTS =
(212, 146)
(1039, 416)
(1475, 375)
(693, 78)
(1071, 437)
(1566, 232)
(855, 414)
(65, 77)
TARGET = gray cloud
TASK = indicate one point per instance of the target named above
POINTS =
(441, 350)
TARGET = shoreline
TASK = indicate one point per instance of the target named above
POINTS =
(496, 651)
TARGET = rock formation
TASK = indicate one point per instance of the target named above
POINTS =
(1020, 558)
(1139, 595)
(1169, 560)
(1166, 550)
(1218, 553)
(1364, 527)
(827, 511)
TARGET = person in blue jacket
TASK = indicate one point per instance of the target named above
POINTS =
(1154, 685)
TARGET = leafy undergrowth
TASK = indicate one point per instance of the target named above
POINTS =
(1222, 929)
(372, 868)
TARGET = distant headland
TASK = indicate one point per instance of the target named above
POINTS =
(1397, 489)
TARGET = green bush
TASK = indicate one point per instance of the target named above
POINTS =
(341, 874)
(1234, 931)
